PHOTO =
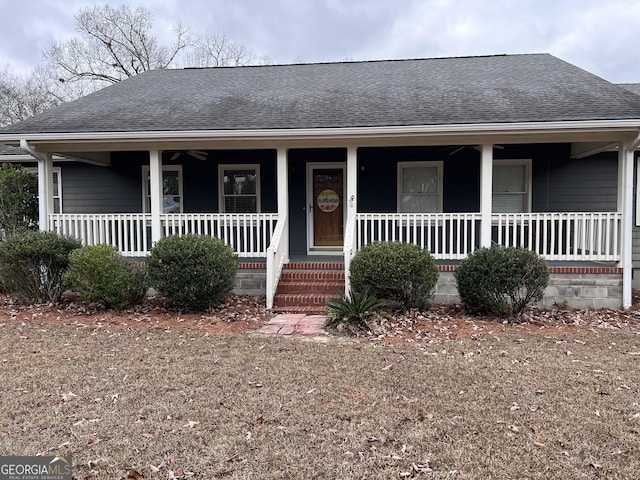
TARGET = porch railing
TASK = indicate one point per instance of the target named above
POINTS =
(580, 236)
(276, 256)
(574, 236)
(448, 236)
(248, 234)
(129, 232)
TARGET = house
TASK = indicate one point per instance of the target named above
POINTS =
(309, 160)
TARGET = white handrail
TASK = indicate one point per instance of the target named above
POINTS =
(248, 234)
(129, 232)
(276, 257)
(349, 249)
(581, 236)
(578, 236)
(448, 236)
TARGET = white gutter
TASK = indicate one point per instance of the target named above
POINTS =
(335, 132)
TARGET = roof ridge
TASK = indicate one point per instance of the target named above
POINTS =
(351, 62)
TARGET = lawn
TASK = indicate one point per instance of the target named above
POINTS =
(146, 403)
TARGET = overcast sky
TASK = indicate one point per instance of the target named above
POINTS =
(597, 35)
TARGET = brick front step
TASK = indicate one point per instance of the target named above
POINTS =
(305, 286)
(320, 310)
(328, 287)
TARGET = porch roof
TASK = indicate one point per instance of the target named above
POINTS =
(501, 89)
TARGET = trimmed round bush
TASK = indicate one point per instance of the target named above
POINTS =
(395, 271)
(32, 265)
(501, 280)
(192, 271)
(99, 273)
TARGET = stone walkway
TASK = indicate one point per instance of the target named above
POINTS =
(295, 324)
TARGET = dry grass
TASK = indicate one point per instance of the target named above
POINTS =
(144, 403)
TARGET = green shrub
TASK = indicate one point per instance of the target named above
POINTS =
(18, 200)
(193, 271)
(501, 280)
(399, 272)
(101, 274)
(353, 312)
(32, 264)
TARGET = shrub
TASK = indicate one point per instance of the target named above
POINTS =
(32, 264)
(192, 271)
(18, 200)
(399, 272)
(501, 280)
(101, 274)
(353, 312)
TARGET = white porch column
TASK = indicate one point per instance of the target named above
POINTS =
(486, 187)
(45, 190)
(155, 192)
(282, 172)
(352, 181)
(625, 206)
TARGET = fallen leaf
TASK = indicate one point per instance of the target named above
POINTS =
(134, 475)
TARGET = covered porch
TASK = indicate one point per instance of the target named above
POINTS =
(601, 235)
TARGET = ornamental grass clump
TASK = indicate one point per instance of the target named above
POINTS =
(401, 273)
(99, 273)
(501, 280)
(194, 272)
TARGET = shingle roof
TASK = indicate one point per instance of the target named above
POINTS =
(9, 150)
(632, 87)
(461, 90)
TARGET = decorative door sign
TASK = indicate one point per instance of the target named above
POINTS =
(328, 201)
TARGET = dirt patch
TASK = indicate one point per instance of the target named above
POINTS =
(240, 314)
(237, 315)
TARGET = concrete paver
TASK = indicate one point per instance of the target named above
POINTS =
(295, 324)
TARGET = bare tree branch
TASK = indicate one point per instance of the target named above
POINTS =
(113, 44)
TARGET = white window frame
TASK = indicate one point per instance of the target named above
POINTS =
(237, 166)
(56, 171)
(438, 164)
(145, 185)
(527, 180)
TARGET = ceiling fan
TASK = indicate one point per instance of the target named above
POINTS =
(457, 148)
(198, 154)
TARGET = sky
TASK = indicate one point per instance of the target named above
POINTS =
(600, 36)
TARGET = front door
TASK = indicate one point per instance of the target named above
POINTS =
(325, 189)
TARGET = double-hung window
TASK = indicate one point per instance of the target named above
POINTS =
(419, 187)
(511, 186)
(57, 187)
(239, 188)
(171, 189)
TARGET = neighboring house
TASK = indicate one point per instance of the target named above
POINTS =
(320, 159)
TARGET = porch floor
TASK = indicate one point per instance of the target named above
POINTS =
(295, 324)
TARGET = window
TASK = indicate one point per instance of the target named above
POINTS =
(511, 186)
(171, 189)
(57, 187)
(419, 187)
(239, 188)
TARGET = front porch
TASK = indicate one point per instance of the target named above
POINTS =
(590, 240)
(269, 203)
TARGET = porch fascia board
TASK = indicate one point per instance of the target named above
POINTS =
(574, 131)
